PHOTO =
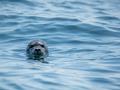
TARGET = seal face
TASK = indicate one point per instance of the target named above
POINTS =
(37, 50)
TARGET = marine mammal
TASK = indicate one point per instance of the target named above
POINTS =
(37, 50)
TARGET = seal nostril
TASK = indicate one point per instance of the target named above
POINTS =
(37, 50)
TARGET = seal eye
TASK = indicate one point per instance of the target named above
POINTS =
(42, 46)
(31, 46)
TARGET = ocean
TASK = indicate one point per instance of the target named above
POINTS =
(82, 36)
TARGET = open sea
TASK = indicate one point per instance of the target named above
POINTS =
(83, 38)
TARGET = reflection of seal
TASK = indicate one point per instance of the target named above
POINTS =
(37, 50)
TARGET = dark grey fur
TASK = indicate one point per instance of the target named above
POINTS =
(37, 50)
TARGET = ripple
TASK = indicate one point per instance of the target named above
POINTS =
(109, 18)
(27, 2)
(82, 38)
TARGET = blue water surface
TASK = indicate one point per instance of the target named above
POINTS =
(83, 38)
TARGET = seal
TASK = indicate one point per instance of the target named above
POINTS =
(37, 50)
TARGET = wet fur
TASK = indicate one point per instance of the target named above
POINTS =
(37, 44)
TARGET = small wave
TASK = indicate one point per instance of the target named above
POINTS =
(18, 1)
(82, 38)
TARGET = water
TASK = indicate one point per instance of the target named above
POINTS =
(83, 37)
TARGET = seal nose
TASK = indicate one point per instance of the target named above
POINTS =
(37, 50)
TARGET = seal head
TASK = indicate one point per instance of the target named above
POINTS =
(37, 50)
